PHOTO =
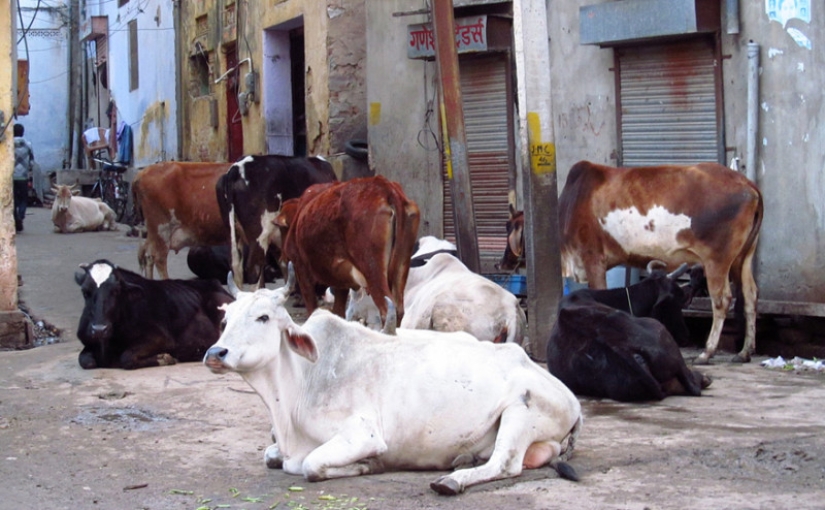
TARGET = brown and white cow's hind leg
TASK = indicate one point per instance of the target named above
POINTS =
(749, 295)
(720, 294)
(513, 442)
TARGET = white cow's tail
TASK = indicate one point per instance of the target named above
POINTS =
(561, 466)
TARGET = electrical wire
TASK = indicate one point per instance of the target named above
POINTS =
(26, 31)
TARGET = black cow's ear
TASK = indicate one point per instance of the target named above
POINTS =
(80, 275)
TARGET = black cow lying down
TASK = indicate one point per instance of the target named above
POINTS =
(599, 351)
(658, 296)
(131, 322)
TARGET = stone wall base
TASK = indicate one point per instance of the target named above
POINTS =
(16, 330)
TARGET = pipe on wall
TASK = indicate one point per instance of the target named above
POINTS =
(753, 110)
(731, 9)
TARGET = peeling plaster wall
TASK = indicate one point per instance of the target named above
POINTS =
(48, 52)
(334, 50)
(399, 91)
(790, 142)
(583, 98)
(347, 47)
(154, 135)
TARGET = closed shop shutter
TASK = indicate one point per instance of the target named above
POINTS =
(488, 127)
(669, 104)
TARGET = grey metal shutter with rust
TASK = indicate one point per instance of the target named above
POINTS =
(488, 128)
(669, 99)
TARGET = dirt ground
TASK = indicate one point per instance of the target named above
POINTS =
(180, 437)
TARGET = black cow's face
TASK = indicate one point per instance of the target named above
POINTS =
(101, 290)
(668, 310)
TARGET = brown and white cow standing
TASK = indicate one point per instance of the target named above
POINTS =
(353, 234)
(180, 207)
(704, 213)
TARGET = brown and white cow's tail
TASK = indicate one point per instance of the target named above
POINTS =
(407, 217)
(742, 269)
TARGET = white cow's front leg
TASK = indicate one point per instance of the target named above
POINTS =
(351, 452)
(273, 457)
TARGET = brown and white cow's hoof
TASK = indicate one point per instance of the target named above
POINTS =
(446, 486)
(702, 359)
(741, 358)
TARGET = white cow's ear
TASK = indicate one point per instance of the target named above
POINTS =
(300, 342)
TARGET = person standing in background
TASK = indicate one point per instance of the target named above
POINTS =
(23, 159)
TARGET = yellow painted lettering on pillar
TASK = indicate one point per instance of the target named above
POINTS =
(445, 141)
(375, 114)
(542, 155)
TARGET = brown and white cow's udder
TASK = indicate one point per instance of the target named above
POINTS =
(654, 234)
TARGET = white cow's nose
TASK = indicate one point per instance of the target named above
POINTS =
(216, 353)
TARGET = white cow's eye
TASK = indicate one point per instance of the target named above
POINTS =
(263, 318)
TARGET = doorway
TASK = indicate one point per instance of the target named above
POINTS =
(234, 128)
(283, 87)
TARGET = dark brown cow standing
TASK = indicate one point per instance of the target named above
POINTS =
(353, 234)
(704, 213)
(180, 209)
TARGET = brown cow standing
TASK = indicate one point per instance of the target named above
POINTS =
(180, 209)
(704, 213)
(353, 234)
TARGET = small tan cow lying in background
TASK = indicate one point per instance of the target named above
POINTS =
(72, 213)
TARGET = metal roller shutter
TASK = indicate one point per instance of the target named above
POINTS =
(488, 128)
(668, 99)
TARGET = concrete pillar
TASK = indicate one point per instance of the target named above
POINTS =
(544, 282)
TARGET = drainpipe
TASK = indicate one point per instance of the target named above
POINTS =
(180, 109)
(753, 109)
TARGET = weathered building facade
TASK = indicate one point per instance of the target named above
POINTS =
(631, 82)
(272, 77)
(43, 43)
(128, 74)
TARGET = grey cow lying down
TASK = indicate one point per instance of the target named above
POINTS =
(345, 400)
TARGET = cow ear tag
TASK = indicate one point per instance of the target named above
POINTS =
(301, 343)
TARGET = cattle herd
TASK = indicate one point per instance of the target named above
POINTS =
(422, 364)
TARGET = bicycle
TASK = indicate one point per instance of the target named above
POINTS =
(110, 186)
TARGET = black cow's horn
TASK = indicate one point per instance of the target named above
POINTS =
(655, 264)
(390, 323)
(290, 279)
(230, 283)
(679, 271)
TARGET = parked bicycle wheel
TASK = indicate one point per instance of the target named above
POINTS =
(115, 197)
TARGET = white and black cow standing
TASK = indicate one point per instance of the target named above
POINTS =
(250, 195)
(345, 400)
(131, 322)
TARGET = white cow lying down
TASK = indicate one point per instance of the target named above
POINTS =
(71, 213)
(345, 400)
(444, 295)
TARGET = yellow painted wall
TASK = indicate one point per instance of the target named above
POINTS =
(202, 141)
(8, 251)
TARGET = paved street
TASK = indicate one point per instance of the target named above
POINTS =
(180, 437)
